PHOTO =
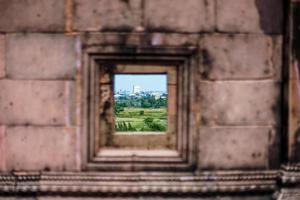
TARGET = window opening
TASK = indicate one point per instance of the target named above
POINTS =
(140, 103)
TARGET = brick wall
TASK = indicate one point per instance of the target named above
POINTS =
(239, 93)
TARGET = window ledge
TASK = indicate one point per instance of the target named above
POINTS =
(138, 153)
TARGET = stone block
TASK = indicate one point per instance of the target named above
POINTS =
(141, 39)
(294, 70)
(147, 141)
(36, 102)
(32, 15)
(234, 148)
(294, 120)
(40, 148)
(246, 197)
(107, 15)
(187, 16)
(172, 39)
(26, 197)
(141, 197)
(40, 56)
(250, 16)
(2, 148)
(241, 57)
(2, 56)
(7, 198)
(240, 103)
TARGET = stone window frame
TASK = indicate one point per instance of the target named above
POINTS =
(186, 60)
(104, 72)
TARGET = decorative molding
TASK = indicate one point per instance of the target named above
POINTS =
(289, 194)
(291, 167)
(290, 174)
(130, 183)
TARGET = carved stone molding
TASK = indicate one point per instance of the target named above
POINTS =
(130, 183)
(291, 174)
(289, 194)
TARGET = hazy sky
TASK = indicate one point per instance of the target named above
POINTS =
(157, 82)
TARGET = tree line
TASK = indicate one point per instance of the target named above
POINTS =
(147, 101)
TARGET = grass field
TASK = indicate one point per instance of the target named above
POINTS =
(142, 119)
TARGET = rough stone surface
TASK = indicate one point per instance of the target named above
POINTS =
(35, 102)
(246, 197)
(254, 16)
(40, 148)
(2, 149)
(40, 56)
(240, 103)
(31, 15)
(241, 57)
(190, 16)
(233, 148)
(130, 198)
(140, 39)
(148, 141)
(174, 197)
(107, 15)
(2, 57)
(289, 194)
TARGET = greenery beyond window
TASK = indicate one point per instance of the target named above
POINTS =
(140, 102)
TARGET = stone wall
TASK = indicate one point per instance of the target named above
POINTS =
(239, 91)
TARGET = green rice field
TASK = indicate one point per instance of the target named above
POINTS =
(141, 119)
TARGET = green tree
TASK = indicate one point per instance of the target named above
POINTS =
(118, 108)
(142, 112)
(148, 120)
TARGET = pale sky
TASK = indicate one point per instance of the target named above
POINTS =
(156, 82)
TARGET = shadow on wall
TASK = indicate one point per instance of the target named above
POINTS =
(296, 31)
(271, 15)
(297, 146)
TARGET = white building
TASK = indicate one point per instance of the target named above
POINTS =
(136, 89)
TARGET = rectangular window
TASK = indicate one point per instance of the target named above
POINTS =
(140, 103)
(142, 116)
(137, 110)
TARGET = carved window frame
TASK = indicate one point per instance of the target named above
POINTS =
(132, 141)
(185, 59)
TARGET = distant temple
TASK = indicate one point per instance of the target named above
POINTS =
(136, 89)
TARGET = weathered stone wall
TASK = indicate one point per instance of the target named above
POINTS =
(240, 62)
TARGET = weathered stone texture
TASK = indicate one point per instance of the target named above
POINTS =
(240, 103)
(35, 102)
(289, 194)
(294, 118)
(40, 148)
(2, 57)
(240, 57)
(31, 15)
(170, 197)
(187, 16)
(107, 15)
(159, 39)
(148, 141)
(40, 56)
(254, 16)
(141, 39)
(233, 148)
(2, 149)
(246, 197)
